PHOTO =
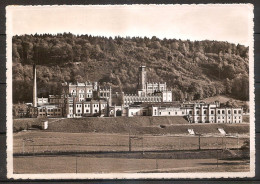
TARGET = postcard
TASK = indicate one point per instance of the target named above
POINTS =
(130, 91)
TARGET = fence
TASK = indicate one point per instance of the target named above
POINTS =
(118, 142)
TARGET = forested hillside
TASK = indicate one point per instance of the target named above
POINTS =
(194, 70)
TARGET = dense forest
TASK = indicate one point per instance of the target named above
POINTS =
(192, 69)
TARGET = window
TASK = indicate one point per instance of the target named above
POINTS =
(198, 112)
(132, 113)
(229, 112)
(239, 112)
(87, 110)
(205, 112)
(95, 110)
(190, 112)
(223, 111)
(175, 113)
(78, 110)
(169, 113)
(218, 111)
(235, 111)
(212, 112)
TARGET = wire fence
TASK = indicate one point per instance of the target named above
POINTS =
(127, 143)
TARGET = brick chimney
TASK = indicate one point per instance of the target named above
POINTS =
(34, 87)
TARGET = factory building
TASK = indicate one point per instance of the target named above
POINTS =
(148, 92)
(151, 99)
(76, 100)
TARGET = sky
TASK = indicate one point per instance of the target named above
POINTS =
(231, 23)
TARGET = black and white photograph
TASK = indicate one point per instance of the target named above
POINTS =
(130, 91)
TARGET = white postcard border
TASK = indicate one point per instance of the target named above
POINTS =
(9, 126)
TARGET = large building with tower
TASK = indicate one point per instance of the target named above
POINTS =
(148, 92)
(151, 99)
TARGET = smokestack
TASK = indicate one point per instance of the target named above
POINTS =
(34, 87)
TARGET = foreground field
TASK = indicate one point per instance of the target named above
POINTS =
(101, 145)
(43, 142)
(72, 164)
(63, 152)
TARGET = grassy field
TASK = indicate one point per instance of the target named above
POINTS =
(40, 141)
(137, 125)
(100, 145)
(72, 164)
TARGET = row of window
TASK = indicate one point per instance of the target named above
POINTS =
(104, 94)
(86, 111)
(50, 110)
(48, 114)
(142, 99)
(88, 105)
(219, 112)
(81, 91)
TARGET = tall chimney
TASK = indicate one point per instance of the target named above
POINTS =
(34, 87)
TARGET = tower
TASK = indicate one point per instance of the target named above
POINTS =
(142, 79)
(34, 87)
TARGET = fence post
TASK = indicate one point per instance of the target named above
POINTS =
(222, 142)
(23, 146)
(143, 145)
(199, 141)
(237, 142)
(76, 164)
(156, 163)
(129, 144)
(217, 158)
(179, 143)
